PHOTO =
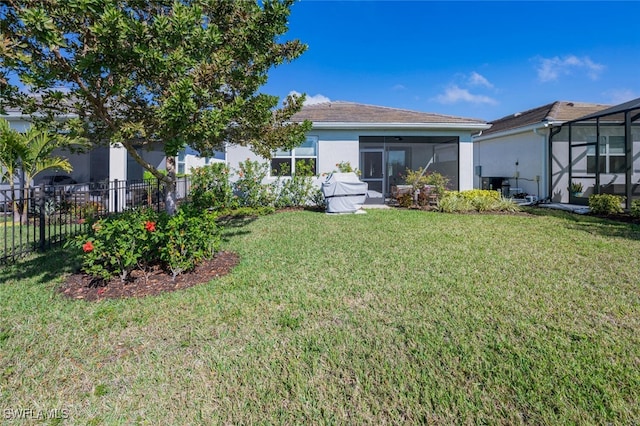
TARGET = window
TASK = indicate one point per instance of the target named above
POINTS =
(181, 162)
(612, 158)
(301, 160)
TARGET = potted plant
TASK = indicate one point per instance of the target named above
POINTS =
(575, 188)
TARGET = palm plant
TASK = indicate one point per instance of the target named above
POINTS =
(25, 155)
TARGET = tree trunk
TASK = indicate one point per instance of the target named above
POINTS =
(170, 186)
(15, 204)
(25, 205)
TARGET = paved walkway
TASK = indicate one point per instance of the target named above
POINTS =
(574, 208)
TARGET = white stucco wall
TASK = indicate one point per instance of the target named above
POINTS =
(497, 156)
(333, 147)
(465, 158)
(338, 145)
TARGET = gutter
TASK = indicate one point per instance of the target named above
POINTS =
(531, 127)
(416, 126)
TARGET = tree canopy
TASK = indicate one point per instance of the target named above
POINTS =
(153, 73)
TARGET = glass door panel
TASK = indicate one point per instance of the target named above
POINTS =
(373, 172)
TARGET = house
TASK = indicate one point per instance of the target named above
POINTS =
(600, 151)
(527, 152)
(381, 142)
(108, 163)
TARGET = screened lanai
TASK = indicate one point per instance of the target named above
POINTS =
(384, 160)
(601, 151)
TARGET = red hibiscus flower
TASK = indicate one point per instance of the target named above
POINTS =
(150, 226)
(87, 247)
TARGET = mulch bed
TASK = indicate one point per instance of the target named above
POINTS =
(81, 286)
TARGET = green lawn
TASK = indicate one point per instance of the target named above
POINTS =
(389, 317)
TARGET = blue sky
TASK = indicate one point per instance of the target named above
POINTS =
(472, 59)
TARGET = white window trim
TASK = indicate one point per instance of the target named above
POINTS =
(294, 158)
(607, 154)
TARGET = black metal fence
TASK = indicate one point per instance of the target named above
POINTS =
(46, 216)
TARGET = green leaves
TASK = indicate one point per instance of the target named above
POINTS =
(143, 73)
(140, 239)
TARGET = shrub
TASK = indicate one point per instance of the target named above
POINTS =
(635, 208)
(141, 238)
(249, 188)
(475, 200)
(605, 204)
(405, 200)
(453, 202)
(343, 167)
(210, 187)
(116, 245)
(297, 190)
(481, 193)
(189, 237)
(317, 198)
(419, 178)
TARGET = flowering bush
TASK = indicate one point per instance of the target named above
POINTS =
(141, 238)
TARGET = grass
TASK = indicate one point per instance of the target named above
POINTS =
(18, 239)
(389, 317)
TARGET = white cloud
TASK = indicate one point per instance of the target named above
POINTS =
(549, 69)
(399, 87)
(454, 94)
(619, 96)
(312, 100)
(479, 80)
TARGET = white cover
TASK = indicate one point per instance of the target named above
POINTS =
(344, 192)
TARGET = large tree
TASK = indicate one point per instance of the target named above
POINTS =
(148, 74)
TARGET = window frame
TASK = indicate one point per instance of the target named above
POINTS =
(292, 157)
(606, 155)
(181, 161)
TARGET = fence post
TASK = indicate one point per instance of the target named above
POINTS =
(42, 218)
(158, 196)
(115, 195)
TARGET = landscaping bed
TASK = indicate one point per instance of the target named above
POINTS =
(155, 281)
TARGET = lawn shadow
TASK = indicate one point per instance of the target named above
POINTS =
(41, 268)
(233, 226)
(620, 227)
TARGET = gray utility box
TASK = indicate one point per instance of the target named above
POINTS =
(344, 192)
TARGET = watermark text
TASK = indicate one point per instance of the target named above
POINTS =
(22, 413)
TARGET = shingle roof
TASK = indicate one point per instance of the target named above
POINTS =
(614, 113)
(350, 112)
(559, 111)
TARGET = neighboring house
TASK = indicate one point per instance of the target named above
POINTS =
(112, 162)
(381, 142)
(524, 152)
(601, 151)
